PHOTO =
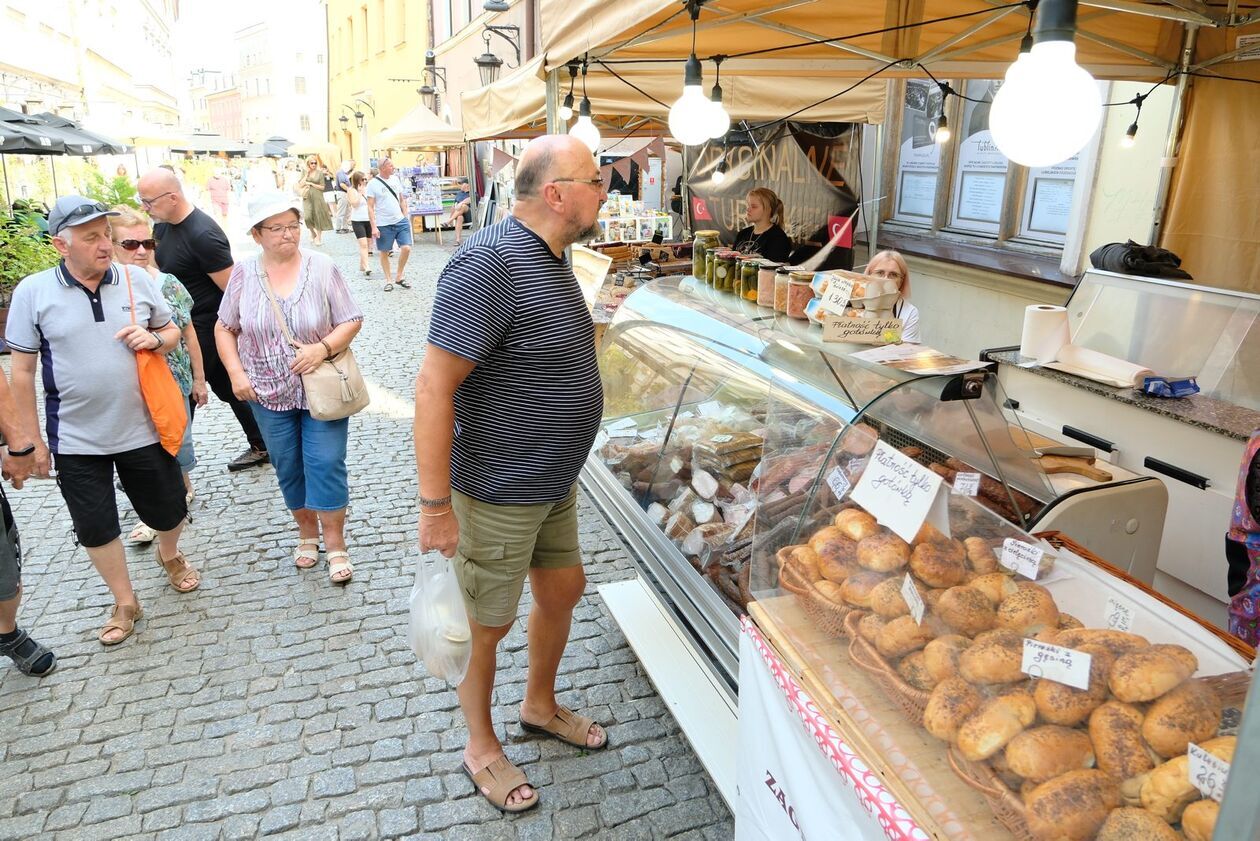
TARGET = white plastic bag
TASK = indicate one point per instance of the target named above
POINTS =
(438, 629)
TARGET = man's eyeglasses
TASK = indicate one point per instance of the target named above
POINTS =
(149, 202)
(133, 244)
(281, 230)
(594, 182)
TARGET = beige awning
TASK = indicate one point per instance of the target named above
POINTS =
(420, 128)
(515, 102)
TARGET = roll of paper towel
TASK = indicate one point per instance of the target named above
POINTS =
(1101, 367)
(1045, 331)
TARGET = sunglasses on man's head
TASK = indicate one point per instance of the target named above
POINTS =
(86, 210)
(133, 244)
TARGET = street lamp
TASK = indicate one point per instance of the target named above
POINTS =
(495, 6)
(488, 64)
(431, 76)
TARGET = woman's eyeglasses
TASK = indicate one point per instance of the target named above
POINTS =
(133, 244)
(281, 230)
(886, 274)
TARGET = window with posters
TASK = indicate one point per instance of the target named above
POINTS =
(919, 157)
(979, 167)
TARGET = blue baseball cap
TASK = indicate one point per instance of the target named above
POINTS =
(69, 211)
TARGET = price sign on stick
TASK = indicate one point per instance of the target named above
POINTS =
(836, 298)
(1208, 772)
(1023, 558)
(967, 484)
(910, 593)
(1054, 662)
(896, 490)
(838, 482)
(1119, 614)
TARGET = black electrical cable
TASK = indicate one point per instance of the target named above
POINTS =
(865, 78)
(630, 84)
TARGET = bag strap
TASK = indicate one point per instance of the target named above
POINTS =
(131, 299)
(390, 188)
(275, 307)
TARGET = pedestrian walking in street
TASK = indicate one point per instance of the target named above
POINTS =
(219, 188)
(84, 320)
(134, 246)
(511, 343)
(390, 224)
(30, 657)
(192, 246)
(307, 290)
(359, 220)
(341, 218)
(314, 206)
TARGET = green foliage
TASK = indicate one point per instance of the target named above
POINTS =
(112, 191)
(23, 251)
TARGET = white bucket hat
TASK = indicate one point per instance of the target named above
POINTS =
(265, 205)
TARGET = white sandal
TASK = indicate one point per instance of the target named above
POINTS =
(141, 534)
(307, 549)
(340, 570)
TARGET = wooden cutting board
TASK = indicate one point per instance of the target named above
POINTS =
(1071, 464)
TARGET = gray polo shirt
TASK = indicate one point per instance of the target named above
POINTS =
(92, 401)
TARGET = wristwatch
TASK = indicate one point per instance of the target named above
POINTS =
(26, 451)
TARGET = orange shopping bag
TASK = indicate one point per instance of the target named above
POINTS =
(167, 405)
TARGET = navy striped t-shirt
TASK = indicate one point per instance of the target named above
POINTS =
(525, 418)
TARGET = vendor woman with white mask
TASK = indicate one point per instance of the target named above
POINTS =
(890, 265)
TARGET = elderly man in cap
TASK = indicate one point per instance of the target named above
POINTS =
(83, 321)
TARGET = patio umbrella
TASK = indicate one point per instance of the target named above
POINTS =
(208, 144)
(272, 147)
(23, 135)
(76, 142)
(108, 146)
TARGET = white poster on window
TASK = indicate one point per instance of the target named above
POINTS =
(916, 194)
(920, 155)
(980, 197)
(1048, 200)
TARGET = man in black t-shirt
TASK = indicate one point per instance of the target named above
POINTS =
(192, 246)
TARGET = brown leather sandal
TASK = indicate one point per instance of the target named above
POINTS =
(497, 781)
(178, 570)
(568, 727)
(122, 618)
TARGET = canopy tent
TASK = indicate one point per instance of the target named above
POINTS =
(272, 147)
(327, 152)
(420, 128)
(80, 140)
(208, 144)
(23, 135)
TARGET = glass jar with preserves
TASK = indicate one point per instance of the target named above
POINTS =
(800, 293)
(724, 268)
(765, 282)
(748, 268)
(704, 242)
(783, 276)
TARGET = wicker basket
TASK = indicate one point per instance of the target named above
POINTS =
(829, 617)
(1007, 806)
(911, 701)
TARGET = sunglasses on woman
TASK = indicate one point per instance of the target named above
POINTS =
(133, 244)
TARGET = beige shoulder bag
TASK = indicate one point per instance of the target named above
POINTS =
(335, 389)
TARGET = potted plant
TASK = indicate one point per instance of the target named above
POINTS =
(24, 250)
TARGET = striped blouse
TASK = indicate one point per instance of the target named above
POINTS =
(318, 303)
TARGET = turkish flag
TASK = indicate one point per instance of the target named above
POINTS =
(840, 231)
(700, 209)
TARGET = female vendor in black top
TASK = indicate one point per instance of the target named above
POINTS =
(765, 235)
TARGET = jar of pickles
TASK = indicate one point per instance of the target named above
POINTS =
(765, 282)
(704, 242)
(724, 270)
(748, 268)
(782, 276)
(800, 293)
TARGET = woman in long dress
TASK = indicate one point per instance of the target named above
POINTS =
(314, 207)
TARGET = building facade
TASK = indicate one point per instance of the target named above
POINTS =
(460, 36)
(223, 110)
(282, 76)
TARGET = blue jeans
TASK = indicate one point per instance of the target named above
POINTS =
(309, 456)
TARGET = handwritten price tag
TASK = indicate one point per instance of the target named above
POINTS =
(838, 482)
(1054, 662)
(1023, 558)
(1208, 772)
(967, 484)
(897, 490)
(836, 298)
(721, 439)
(1119, 614)
(910, 593)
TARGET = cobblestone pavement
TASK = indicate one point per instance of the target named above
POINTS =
(271, 702)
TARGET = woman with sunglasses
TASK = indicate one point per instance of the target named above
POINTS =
(890, 265)
(134, 246)
(314, 207)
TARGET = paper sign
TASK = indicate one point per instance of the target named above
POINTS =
(624, 423)
(1023, 558)
(938, 514)
(1208, 772)
(721, 439)
(861, 331)
(838, 482)
(910, 593)
(836, 298)
(967, 484)
(897, 490)
(1119, 614)
(710, 408)
(1054, 662)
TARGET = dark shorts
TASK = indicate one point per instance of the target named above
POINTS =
(10, 554)
(362, 230)
(150, 477)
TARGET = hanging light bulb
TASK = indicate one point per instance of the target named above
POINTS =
(719, 172)
(565, 111)
(584, 129)
(1049, 106)
(1130, 137)
(690, 117)
(720, 119)
(942, 128)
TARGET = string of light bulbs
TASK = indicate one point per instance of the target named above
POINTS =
(585, 129)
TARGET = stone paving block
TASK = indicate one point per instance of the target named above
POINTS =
(279, 819)
(333, 782)
(619, 808)
(162, 819)
(398, 822)
(357, 826)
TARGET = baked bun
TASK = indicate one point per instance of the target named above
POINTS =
(913, 670)
(980, 555)
(883, 552)
(1167, 790)
(994, 657)
(869, 627)
(929, 533)
(996, 586)
(1059, 703)
(1048, 751)
(1067, 621)
(1198, 821)
(952, 702)
(1129, 824)
(939, 564)
(1118, 642)
(1115, 729)
(830, 542)
(829, 592)
(856, 524)
(992, 726)
(940, 656)
(858, 587)
(886, 598)
(835, 570)
(1189, 713)
(901, 636)
(805, 561)
(966, 610)
(1029, 610)
(1072, 806)
(1146, 674)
